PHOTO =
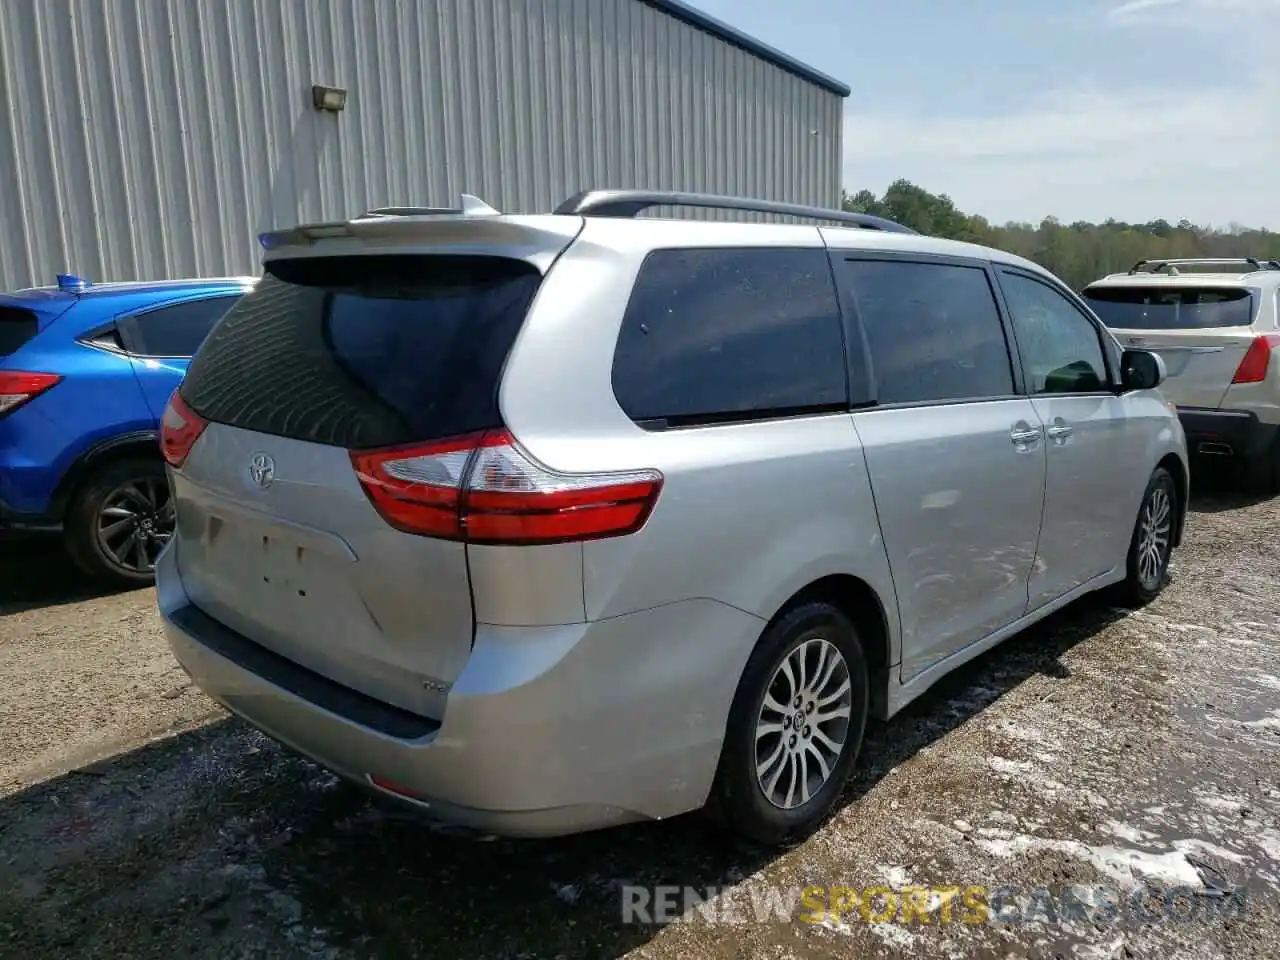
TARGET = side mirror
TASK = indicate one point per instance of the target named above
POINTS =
(1141, 370)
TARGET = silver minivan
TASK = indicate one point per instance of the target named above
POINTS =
(546, 523)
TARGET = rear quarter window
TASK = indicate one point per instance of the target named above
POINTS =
(365, 351)
(1172, 308)
(175, 330)
(724, 335)
(17, 326)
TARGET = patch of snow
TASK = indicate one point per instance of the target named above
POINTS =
(896, 877)
(1266, 723)
(1240, 642)
(1266, 680)
(1126, 832)
(1251, 625)
(1127, 867)
(1227, 804)
(895, 935)
(1011, 767)
(1194, 844)
(835, 926)
(1020, 731)
(1099, 951)
(1269, 841)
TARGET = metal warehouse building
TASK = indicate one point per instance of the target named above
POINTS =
(152, 139)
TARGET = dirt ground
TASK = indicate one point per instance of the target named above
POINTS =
(1120, 751)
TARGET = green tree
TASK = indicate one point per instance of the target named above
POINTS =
(1079, 252)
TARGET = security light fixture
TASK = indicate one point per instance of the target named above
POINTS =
(328, 98)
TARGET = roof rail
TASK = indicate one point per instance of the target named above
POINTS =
(629, 203)
(1155, 266)
(469, 207)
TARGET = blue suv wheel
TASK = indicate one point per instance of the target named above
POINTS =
(119, 521)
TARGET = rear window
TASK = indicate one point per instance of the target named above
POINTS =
(1171, 308)
(17, 326)
(365, 351)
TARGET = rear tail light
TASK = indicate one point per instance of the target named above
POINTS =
(1253, 368)
(180, 428)
(18, 387)
(484, 488)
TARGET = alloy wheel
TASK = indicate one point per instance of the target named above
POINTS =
(135, 523)
(1153, 537)
(803, 723)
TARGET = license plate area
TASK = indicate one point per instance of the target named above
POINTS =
(273, 560)
(283, 564)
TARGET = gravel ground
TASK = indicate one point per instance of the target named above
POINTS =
(1131, 751)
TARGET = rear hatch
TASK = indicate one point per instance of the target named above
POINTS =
(1202, 332)
(23, 316)
(276, 537)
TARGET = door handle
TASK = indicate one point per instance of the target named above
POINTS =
(1060, 431)
(1024, 436)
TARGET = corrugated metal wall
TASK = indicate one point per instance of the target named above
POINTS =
(157, 138)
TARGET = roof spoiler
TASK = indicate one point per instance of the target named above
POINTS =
(307, 233)
(472, 228)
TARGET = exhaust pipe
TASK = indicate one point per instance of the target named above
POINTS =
(1214, 448)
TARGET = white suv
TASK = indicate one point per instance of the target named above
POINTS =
(1216, 324)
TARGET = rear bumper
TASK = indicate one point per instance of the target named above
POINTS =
(548, 731)
(1231, 433)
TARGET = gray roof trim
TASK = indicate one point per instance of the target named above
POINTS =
(718, 28)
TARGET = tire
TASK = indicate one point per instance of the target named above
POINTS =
(738, 798)
(1146, 577)
(104, 499)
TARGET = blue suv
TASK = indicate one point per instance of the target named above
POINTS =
(85, 373)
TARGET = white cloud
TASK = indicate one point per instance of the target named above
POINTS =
(1136, 7)
(1186, 11)
(1088, 153)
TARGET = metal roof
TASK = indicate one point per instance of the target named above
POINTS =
(718, 28)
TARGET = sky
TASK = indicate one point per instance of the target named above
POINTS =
(1022, 109)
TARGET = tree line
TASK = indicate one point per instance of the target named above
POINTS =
(1078, 252)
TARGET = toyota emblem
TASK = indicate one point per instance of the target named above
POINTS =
(262, 470)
